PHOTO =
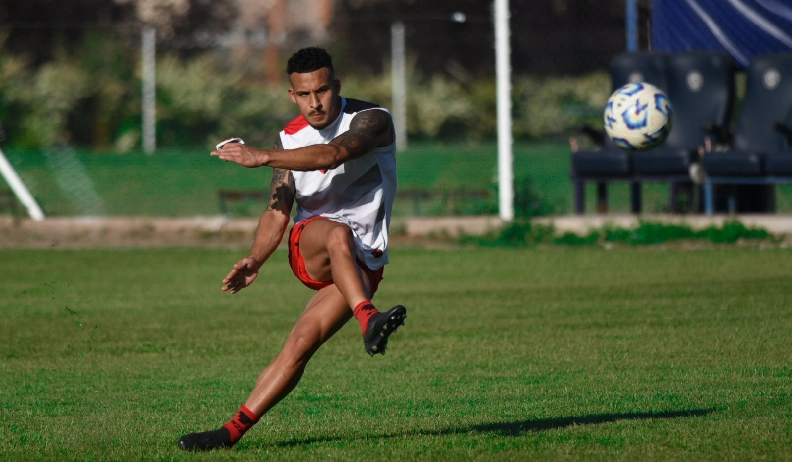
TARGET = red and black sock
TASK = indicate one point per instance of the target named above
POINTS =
(363, 312)
(241, 423)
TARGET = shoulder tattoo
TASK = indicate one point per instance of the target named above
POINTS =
(367, 130)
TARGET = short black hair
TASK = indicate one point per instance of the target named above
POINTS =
(308, 60)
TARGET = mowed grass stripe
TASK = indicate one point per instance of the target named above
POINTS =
(507, 355)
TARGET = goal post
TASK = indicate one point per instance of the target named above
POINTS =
(504, 108)
(19, 189)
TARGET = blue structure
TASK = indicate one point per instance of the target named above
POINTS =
(743, 28)
(631, 15)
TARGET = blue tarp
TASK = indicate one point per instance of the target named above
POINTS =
(744, 28)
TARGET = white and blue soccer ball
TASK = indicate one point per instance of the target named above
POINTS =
(638, 116)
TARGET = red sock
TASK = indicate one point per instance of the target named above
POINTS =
(241, 423)
(363, 312)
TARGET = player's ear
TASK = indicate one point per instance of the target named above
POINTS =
(291, 95)
(337, 85)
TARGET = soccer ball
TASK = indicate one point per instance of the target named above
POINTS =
(638, 116)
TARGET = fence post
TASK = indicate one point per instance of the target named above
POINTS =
(399, 83)
(149, 109)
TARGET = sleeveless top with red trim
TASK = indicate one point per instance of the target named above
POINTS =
(359, 193)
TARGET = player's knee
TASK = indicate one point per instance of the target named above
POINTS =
(340, 239)
(300, 348)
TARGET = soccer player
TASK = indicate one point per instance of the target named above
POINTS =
(337, 160)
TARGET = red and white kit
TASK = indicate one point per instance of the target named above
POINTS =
(359, 193)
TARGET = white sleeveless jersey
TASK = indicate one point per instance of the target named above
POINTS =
(359, 193)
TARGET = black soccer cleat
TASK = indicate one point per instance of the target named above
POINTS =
(206, 441)
(380, 327)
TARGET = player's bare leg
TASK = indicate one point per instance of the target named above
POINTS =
(328, 249)
(325, 314)
(329, 253)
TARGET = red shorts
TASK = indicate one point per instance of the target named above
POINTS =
(298, 264)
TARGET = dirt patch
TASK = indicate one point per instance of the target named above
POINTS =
(438, 232)
(125, 232)
(200, 232)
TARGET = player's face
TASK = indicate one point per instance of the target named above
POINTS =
(317, 94)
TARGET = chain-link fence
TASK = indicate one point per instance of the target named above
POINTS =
(80, 81)
(74, 76)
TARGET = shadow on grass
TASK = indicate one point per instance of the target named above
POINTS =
(519, 427)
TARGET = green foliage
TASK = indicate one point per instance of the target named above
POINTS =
(439, 102)
(572, 239)
(90, 96)
(14, 76)
(519, 233)
(55, 90)
(192, 90)
(613, 234)
(191, 100)
(201, 103)
(554, 106)
(525, 233)
(77, 97)
(732, 231)
(648, 233)
(529, 201)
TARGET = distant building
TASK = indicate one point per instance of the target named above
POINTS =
(265, 27)
(450, 36)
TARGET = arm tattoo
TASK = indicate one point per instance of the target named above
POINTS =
(367, 130)
(282, 187)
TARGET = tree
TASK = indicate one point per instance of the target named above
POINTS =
(37, 29)
(82, 56)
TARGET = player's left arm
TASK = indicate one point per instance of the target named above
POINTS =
(367, 130)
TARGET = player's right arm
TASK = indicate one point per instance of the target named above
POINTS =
(367, 130)
(270, 231)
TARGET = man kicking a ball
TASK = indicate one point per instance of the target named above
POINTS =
(338, 161)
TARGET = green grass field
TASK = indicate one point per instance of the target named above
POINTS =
(518, 354)
(185, 182)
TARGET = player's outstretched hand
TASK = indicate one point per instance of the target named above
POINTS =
(238, 153)
(242, 275)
